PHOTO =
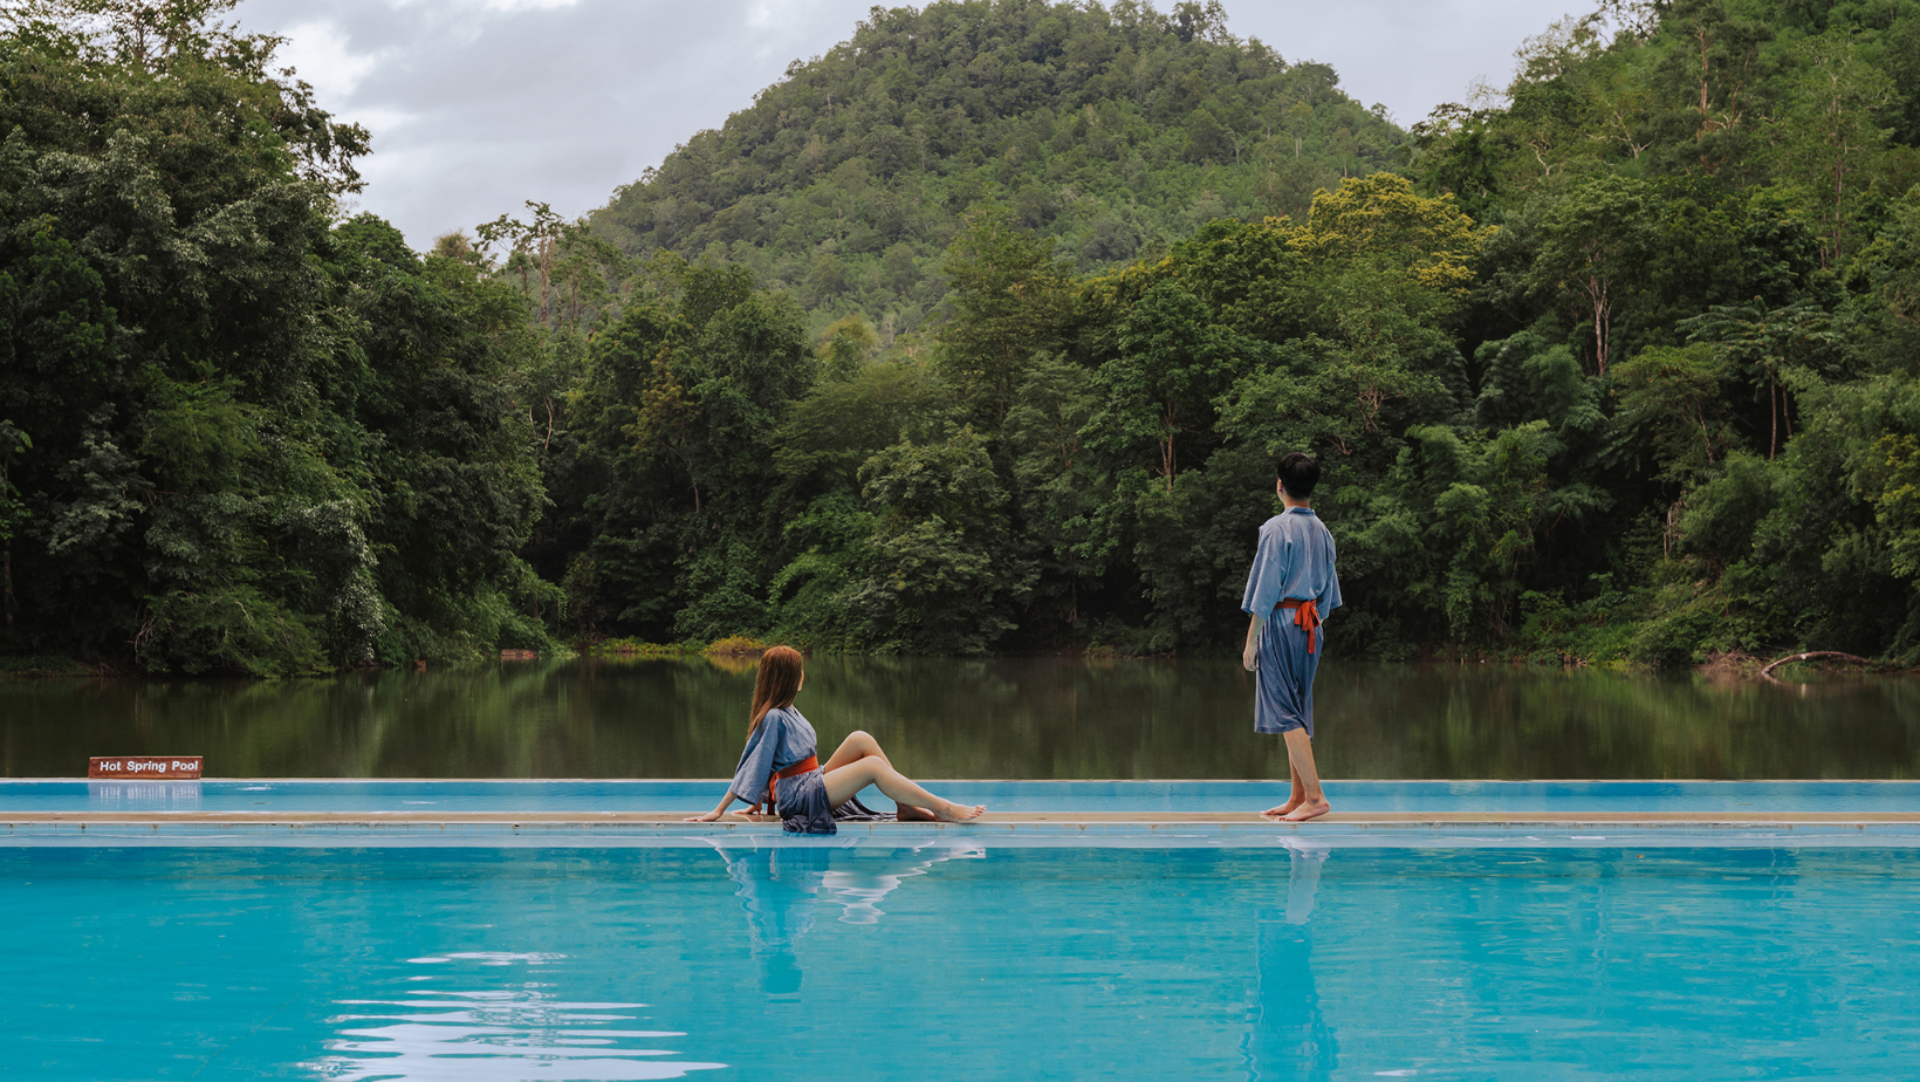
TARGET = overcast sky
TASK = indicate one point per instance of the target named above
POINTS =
(478, 105)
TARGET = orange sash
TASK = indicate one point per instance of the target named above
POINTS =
(1306, 617)
(811, 762)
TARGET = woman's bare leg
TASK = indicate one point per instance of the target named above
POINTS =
(844, 782)
(861, 745)
(858, 745)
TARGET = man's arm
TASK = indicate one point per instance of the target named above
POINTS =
(1250, 654)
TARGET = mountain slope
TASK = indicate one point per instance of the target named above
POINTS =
(1115, 131)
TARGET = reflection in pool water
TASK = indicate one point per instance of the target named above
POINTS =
(780, 887)
(517, 1033)
(159, 796)
(1287, 1034)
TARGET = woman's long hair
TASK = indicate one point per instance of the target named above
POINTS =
(778, 682)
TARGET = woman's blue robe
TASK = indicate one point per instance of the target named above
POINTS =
(782, 739)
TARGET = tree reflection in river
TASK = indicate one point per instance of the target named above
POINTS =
(1005, 718)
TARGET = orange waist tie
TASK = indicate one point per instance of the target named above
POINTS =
(1306, 617)
(811, 762)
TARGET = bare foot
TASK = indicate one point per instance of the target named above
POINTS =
(1311, 809)
(1284, 809)
(959, 813)
(907, 813)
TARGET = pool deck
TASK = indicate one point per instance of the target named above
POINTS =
(1008, 819)
(641, 812)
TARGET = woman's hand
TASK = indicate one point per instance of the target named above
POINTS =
(712, 815)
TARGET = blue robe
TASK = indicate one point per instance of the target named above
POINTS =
(784, 738)
(1294, 562)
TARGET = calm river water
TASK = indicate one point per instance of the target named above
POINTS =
(1010, 718)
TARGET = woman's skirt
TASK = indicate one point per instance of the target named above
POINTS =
(801, 802)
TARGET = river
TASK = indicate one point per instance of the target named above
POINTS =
(1017, 718)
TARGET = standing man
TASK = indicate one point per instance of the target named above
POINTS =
(1291, 588)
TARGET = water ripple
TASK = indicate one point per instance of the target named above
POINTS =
(516, 1034)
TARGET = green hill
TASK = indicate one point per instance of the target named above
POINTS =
(1114, 131)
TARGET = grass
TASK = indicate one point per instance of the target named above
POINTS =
(45, 665)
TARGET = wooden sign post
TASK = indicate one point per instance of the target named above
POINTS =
(144, 767)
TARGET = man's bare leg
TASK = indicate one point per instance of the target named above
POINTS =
(1296, 798)
(1300, 757)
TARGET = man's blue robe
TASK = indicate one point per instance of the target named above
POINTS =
(1294, 562)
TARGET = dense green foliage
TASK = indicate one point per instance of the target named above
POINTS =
(1622, 370)
(235, 435)
(1620, 366)
(1702, 289)
(1115, 130)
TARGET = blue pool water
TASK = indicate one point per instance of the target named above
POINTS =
(960, 960)
(1021, 796)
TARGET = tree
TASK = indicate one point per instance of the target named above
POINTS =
(263, 440)
(1833, 132)
(1671, 405)
(1056, 486)
(13, 511)
(1012, 299)
(532, 247)
(1172, 363)
(1594, 251)
(847, 347)
(184, 39)
(1767, 343)
(1379, 222)
(944, 570)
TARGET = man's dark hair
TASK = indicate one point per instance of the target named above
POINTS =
(1298, 474)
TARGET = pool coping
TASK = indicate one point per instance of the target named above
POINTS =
(1118, 830)
(1007, 819)
(1076, 823)
(625, 780)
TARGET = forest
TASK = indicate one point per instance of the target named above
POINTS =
(980, 333)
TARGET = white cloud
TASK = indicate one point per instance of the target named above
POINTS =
(319, 52)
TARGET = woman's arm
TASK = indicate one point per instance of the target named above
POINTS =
(715, 813)
(756, 765)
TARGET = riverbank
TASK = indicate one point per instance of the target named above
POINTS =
(53, 665)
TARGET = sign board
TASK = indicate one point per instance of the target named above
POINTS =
(143, 767)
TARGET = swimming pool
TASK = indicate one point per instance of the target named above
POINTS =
(770, 960)
(505, 931)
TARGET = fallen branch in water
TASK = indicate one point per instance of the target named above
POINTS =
(1767, 671)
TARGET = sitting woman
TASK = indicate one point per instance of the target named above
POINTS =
(780, 766)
